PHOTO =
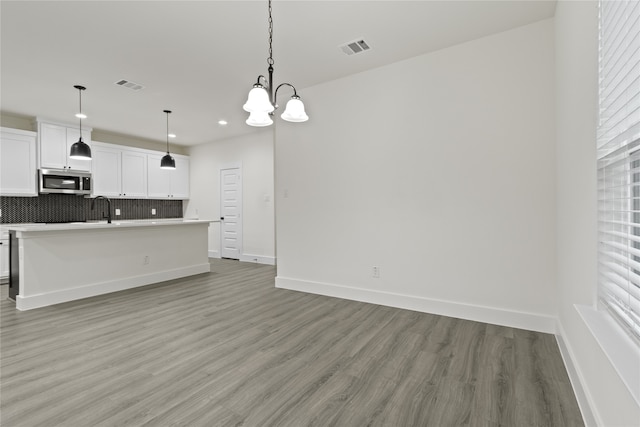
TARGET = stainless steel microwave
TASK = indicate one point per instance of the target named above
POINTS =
(64, 181)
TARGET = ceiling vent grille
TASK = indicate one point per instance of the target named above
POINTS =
(356, 46)
(129, 85)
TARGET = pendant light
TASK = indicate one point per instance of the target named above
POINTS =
(80, 150)
(261, 101)
(167, 161)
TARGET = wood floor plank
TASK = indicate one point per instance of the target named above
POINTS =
(227, 348)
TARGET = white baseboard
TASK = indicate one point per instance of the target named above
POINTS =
(575, 378)
(496, 316)
(260, 259)
(94, 289)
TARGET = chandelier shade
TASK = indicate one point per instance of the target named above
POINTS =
(294, 112)
(259, 119)
(258, 100)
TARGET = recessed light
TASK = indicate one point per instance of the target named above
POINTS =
(81, 116)
(222, 122)
(171, 135)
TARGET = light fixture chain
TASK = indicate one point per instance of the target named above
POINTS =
(270, 59)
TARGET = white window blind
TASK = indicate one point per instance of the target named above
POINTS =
(619, 161)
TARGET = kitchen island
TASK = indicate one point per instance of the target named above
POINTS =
(57, 263)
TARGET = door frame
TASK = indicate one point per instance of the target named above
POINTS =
(221, 168)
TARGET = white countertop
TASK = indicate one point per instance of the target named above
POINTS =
(91, 225)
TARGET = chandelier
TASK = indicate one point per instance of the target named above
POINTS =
(262, 100)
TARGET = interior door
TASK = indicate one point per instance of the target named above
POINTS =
(231, 213)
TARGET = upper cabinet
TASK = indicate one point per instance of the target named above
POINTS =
(55, 141)
(17, 163)
(119, 171)
(166, 183)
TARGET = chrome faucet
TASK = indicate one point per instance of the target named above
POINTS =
(93, 205)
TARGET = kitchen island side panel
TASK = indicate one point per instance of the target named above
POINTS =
(65, 265)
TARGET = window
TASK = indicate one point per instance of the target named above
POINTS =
(619, 161)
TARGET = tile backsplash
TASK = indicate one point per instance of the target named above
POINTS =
(68, 207)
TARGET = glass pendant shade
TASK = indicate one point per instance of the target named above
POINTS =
(259, 119)
(167, 162)
(80, 151)
(258, 101)
(295, 111)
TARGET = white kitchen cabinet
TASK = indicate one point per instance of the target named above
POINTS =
(18, 163)
(4, 255)
(134, 174)
(119, 171)
(55, 141)
(106, 171)
(4, 260)
(180, 178)
(168, 184)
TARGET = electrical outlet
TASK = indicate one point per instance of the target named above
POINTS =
(117, 212)
(146, 260)
(375, 272)
(153, 211)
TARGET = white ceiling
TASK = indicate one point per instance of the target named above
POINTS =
(200, 58)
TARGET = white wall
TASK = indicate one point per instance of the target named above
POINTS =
(597, 384)
(441, 171)
(254, 152)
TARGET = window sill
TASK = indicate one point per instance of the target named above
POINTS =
(621, 350)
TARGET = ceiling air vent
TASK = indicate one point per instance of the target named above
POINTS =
(356, 46)
(129, 84)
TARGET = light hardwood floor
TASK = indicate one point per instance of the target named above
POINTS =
(229, 349)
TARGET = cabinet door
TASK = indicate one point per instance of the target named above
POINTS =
(159, 180)
(53, 146)
(73, 135)
(134, 174)
(180, 178)
(18, 164)
(106, 172)
(4, 258)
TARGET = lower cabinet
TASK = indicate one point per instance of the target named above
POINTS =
(17, 163)
(166, 183)
(4, 259)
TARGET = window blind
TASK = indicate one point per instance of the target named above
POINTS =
(618, 145)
